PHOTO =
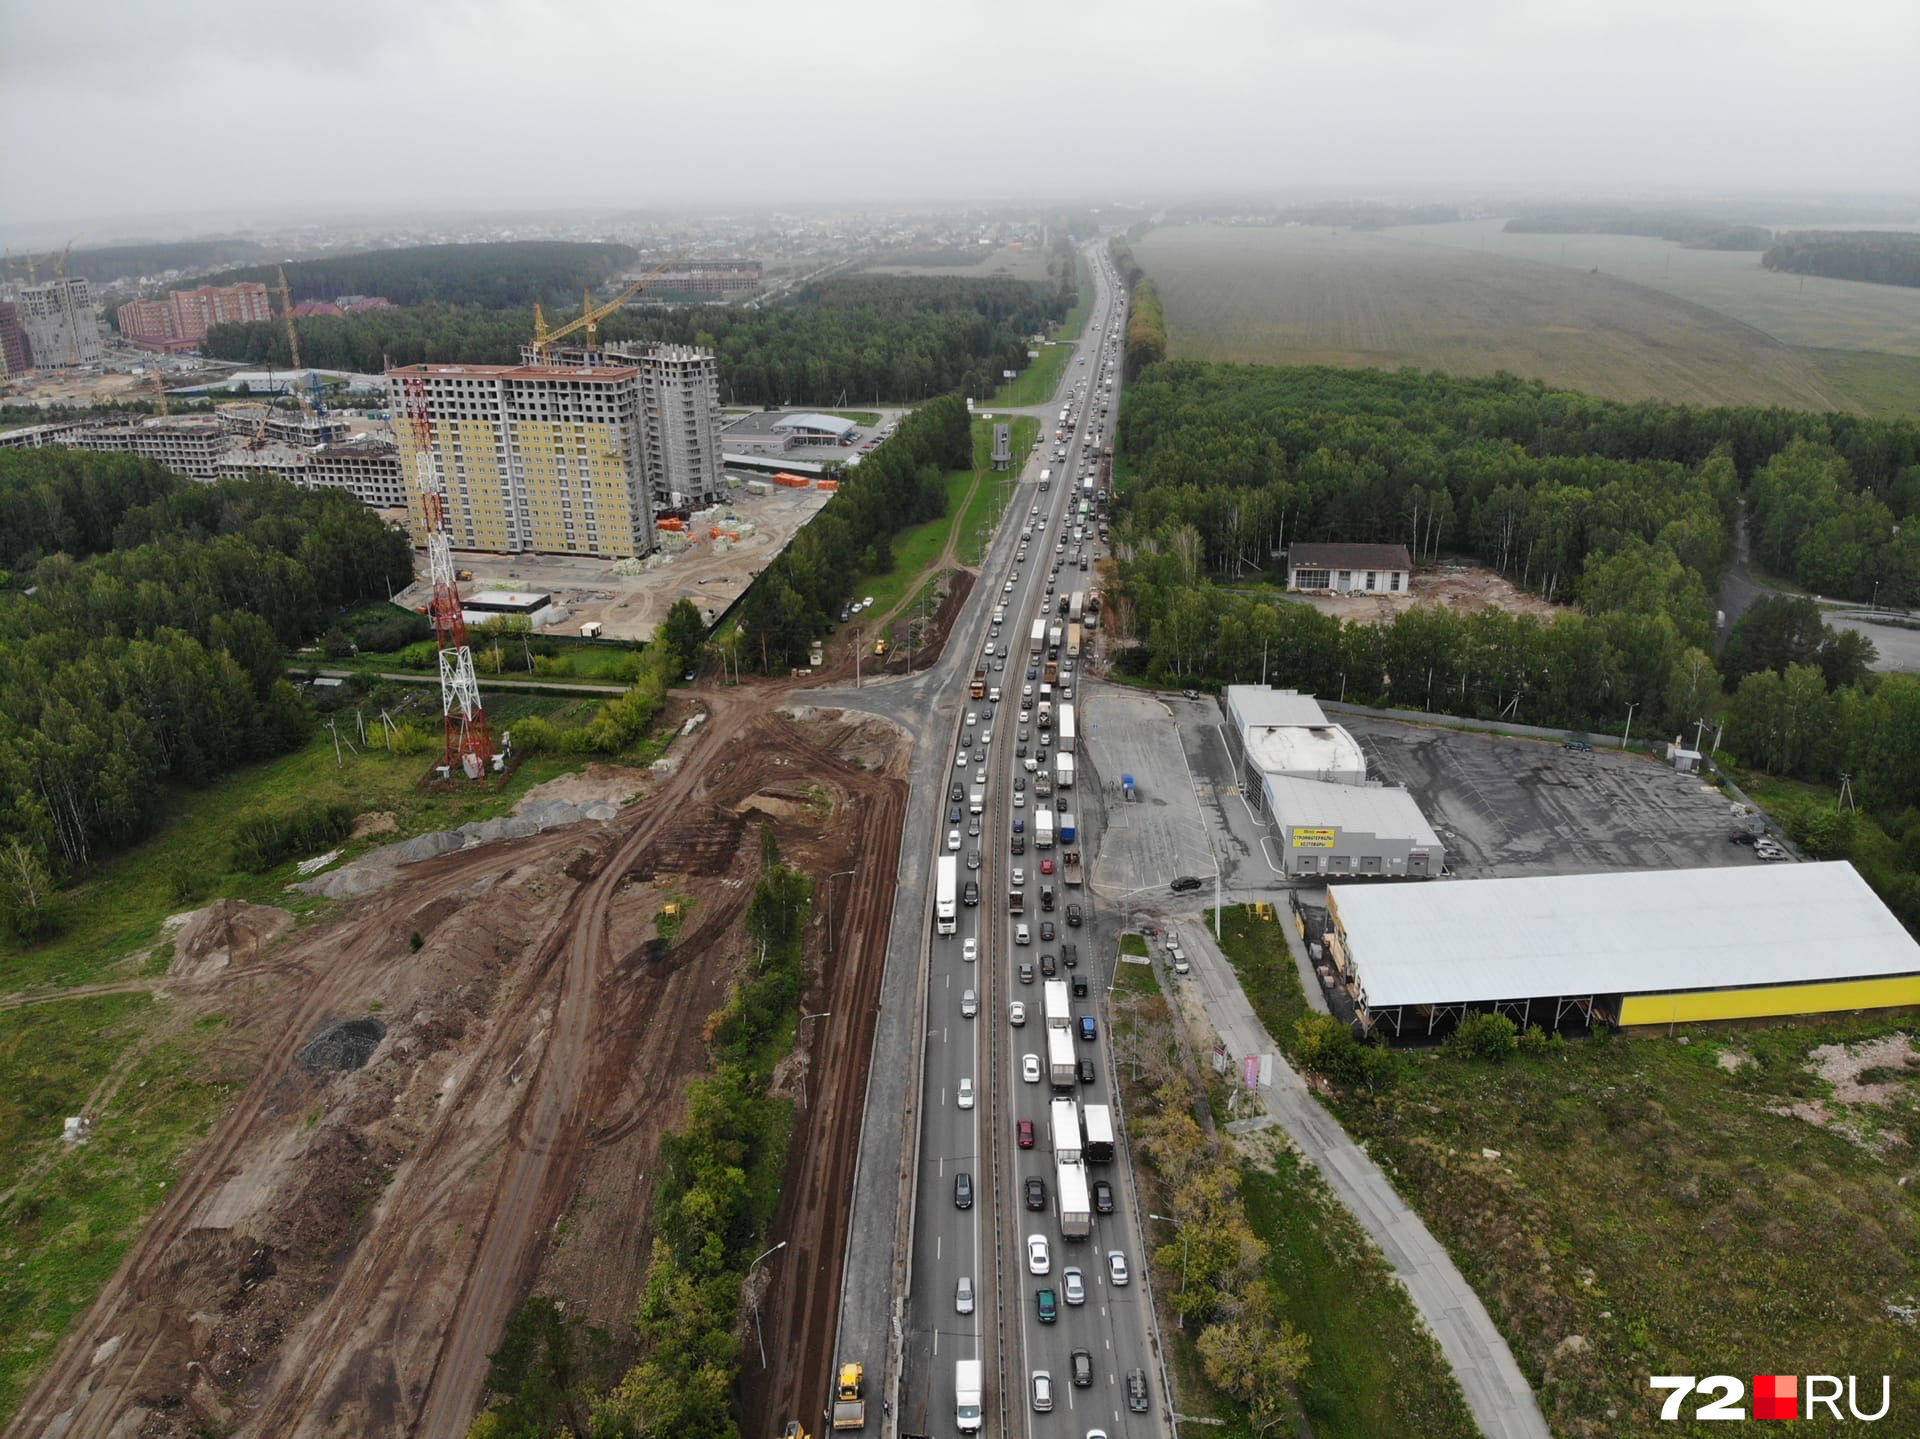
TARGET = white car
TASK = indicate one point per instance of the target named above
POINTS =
(1016, 1013)
(969, 1004)
(953, 841)
(966, 1094)
(1042, 1392)
(1030, 1068)
(1117, 1267)
(960, 760)
(1038, 1260)
(969, 949)
(1019, 877)
(1026, 691)
(1021, 935)
(989, 649)
(1026, 714)
(963, 1295)
(1073, 1286)
(1019, 801)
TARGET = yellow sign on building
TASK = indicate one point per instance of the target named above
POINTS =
(1314, 838)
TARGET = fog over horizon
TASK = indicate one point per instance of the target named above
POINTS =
(117, 110)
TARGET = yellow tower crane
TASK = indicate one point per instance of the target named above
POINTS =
(591, 315)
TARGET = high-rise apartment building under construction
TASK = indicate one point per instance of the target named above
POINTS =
(541, 458)
(61, 326)
(680, 418)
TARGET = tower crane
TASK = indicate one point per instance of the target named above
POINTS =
(317, 401)
(590, 314)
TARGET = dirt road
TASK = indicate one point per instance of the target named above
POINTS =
(340, 1254)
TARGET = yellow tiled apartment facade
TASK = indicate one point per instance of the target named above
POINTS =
(533, 457)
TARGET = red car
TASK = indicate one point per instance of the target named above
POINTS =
(1046, 866)
(1024, 1131)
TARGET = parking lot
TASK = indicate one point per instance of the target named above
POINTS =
(1163, 833)
(1508, 806)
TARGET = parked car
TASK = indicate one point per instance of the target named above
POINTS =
(1185, 883)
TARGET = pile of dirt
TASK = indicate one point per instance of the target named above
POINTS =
(227, 932)
(613, 784)
(377, 821)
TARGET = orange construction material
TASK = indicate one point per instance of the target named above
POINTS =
(826, 484)
(792, 482)
(669, 524)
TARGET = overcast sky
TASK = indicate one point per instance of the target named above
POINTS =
(126, 108)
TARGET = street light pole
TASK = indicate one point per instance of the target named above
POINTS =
(1629, 727)
(756, 1301)
(830, 879)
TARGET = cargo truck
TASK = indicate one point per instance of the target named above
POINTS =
(976, 801)
(1055, 634)
(1068, 828)
(1069, 731)
(967, 1408)
(1062, 1064)
(1076, 1207)
(1043, 829)
(978, 688)
(1070, 866)
(1051, 674)
(1016, 901)
(946, 917)
(1038, 638)
(1097, 1120)
(1065, 1116)
(1045, 717)
(1075, 638)
(1063, 769)
(849, 1398)
(1059, 1009)
(1077, 606)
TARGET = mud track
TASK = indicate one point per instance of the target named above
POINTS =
(341, 1253)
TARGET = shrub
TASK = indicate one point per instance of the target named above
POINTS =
(262, 841)
(1488, 1037)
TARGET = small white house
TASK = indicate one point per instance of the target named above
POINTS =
(1350, 569)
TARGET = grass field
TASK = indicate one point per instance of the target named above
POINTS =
(1381, 300)
(1339, 1291)
(112, 916)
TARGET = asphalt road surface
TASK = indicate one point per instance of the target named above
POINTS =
(986, 1242)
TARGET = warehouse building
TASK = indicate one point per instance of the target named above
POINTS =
(1628, 949)
(1307, 777)
(812, 429)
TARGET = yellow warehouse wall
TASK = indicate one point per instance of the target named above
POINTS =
(1781, 999)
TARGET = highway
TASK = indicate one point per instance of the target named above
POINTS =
(987, 1241)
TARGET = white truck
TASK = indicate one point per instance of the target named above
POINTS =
(1063, 1069)
(1054, 1001)
(1069, 730)
(1038, 639)
(1043, 829)
(967, 1408)
(1065, 1117)
(1063, 771)
(946, 915)
(976, 801)
(1076, 1206)
(1097, 1120)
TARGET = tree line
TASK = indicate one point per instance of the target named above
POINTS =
(852, 338)
(1696, 232)
(106, 263)
(145, 643)
(491, 273)
(897, 486)
(1881, 257)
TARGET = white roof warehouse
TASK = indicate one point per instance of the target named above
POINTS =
(1654, 947)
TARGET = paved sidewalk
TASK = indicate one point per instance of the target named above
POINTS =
(1502, 1402)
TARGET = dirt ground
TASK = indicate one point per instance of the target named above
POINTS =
(712, 573)
(1451, 585)
(340, 1254)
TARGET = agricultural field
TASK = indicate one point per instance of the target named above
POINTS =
(1304, 295)
(1002, 262)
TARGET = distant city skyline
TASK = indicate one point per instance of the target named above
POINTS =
(508, 105)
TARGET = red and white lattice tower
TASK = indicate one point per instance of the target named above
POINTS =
(469, 746)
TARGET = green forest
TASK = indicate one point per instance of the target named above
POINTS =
(117, 262)
(144, 628)
(494, 274)
(860, 337)
(1696, 232)
(1622, 512)
(1881, 257)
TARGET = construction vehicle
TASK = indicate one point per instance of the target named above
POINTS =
(880, 646)
(1070, 866)
(849, 1397)
(590, 315)
(978, 687)
(794, 1430)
